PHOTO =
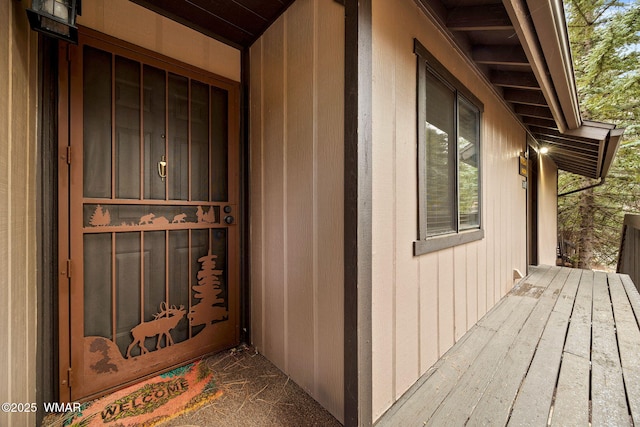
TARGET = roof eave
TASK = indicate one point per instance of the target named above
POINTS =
(551, 29)
(541, 27)
(612, 145)
(526, 30)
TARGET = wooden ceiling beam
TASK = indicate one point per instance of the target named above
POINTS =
(473, 18)
(533, 111)
(572, 160)
(570, 146)
(499, 55)
(571, 165)
(528, 97)
(537, 121)
(560, 136)
(518, 80)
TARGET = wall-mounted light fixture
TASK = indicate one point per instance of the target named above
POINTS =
(544, 150)
(55, 18)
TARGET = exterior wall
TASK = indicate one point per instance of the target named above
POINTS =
(18, 94)
(133, 23)
(423, 305)
(296, 175)
(547, 211)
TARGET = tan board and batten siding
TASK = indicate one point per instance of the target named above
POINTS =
(134, 24)
(423, 305)
(18, 92)
(548, 211)
(296, 179)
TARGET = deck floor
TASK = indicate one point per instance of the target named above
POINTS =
(562, 348)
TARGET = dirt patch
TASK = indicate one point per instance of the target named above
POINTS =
(256, 393)
(528, 290)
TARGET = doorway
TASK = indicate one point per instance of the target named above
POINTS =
(149, 196)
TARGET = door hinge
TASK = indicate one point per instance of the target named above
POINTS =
(69, 375)
(68, 154)
(69, 269)
(70, 52)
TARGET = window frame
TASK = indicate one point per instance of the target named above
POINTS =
(425, 243)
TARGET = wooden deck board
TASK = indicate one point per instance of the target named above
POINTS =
(609, 405)
(571, 407)
(561, 347)
(579, 335)
(504, 385)
(533, 402)
(628, 336)
(472, 384)
(424, 397)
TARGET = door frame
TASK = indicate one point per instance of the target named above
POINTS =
(47, 383)
(532, 205)
(65, 266)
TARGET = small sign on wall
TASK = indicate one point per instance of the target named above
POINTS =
(522, 165)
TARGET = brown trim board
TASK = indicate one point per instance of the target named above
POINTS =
(47, 217)
(357, 213)
(243, 216)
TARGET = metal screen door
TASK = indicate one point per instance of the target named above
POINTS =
(152, 196)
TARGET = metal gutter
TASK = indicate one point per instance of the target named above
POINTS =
(597, 184)
(541, 27)
(611, 149)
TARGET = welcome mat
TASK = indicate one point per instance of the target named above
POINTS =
(151, 402)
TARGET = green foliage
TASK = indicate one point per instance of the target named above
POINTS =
(605, 40)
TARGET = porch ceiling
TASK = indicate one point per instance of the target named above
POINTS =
(235, 22)
(524, 53)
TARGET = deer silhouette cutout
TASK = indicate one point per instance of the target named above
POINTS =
(160, 326)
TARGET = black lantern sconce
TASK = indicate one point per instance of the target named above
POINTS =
(55, 18)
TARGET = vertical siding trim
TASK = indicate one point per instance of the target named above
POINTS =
(285, 234)
(314, 209)
(358, 213)
(10, 234)
(263, 257)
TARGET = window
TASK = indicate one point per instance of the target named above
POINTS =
(449, 177)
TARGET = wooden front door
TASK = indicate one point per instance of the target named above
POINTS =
(148, 200)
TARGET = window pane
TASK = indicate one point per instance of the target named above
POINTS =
(468, 161)
(440, 150)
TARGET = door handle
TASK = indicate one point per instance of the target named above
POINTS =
(162, 168)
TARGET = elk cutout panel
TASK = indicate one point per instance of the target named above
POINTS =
(160, 326)
(101, 217)
(209, 308)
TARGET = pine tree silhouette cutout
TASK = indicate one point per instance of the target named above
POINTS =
(100, 217)
(208, 291)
